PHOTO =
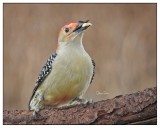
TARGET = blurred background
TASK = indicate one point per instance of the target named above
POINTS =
(122, 41)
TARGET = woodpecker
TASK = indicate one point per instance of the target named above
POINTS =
(67, 73)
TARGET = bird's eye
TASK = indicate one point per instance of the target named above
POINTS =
(66, 30)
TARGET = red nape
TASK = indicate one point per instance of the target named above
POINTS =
(67, 23)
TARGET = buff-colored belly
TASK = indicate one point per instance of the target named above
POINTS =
(67, 81)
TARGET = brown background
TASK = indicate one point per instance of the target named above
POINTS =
(122, 41)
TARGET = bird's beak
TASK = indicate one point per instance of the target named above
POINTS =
(82, 25)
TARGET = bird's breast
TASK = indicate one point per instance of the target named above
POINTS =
(70, 77)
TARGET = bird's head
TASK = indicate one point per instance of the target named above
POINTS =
(72, 32)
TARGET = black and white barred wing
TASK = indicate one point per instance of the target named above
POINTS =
(94, 66)
(44, 72)
(46, 69)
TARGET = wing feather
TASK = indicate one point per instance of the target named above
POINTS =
(94, 65)
(44, 73)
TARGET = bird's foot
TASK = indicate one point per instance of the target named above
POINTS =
(64, 106)
(75, 102)
(81, 101)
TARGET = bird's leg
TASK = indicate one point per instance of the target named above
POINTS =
(64, 106)
(81, 101)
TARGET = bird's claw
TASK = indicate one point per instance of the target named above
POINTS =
(82, 101)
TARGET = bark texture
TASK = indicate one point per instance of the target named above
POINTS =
(136, 108)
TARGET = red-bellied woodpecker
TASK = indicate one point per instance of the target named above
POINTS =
(67, 73)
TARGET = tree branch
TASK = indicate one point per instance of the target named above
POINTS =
(136, 108)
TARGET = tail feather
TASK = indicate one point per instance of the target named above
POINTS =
(35, 103)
